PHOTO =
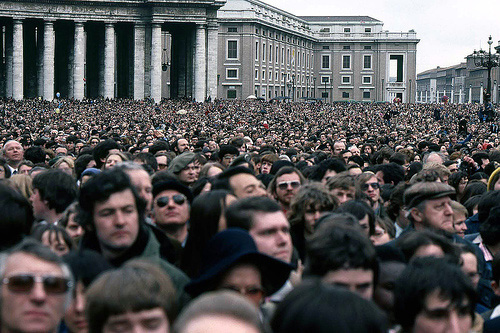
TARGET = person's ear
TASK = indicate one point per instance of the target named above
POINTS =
(416, 214)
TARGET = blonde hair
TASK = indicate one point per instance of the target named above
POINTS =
(22, 183)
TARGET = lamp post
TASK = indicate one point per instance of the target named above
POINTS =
(485, 59)
(289, 85)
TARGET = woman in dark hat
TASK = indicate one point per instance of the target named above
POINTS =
(231, 261)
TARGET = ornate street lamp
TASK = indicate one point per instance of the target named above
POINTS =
(485, 59)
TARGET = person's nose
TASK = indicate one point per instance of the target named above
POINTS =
(38, 294)
(119, 219)
(317, 215)
(453, 322)
(79, 303)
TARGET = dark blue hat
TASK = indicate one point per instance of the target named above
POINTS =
(230, 247)
(172, 184)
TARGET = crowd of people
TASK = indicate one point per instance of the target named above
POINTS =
(248, 216)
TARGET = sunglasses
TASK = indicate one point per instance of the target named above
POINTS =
(374, 186)
(179, 199)
(24, 283)
(284, 185)
(249, 291)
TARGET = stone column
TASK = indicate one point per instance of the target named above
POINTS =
(212, 67)
(17, 61)
(481, 94)
(109, 61)
(78, 62)
(200, 65)
(470, 93)
(39, 57)
(460, 99)
(139, 60)
(156, 62)
(8, 60)
(49, 41)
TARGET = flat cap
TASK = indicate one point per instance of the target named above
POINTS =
(422, 191)
(181, 161)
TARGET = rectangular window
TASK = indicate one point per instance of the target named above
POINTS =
(232, 29)
(282, 55)
(368, 29)
(264, 50)
(345, 94)
(346, 62)
(367, 62)
(367, 47)
(263, 75)
(325, 79)
(346, 79)
(256, 74)
(346, 47)
(326, 47)
(367, 79)
(232, 74)
(231, 94)
(232, 49)
(347, 30)
(270, 53)
(270, 76)
(366, 94)
(256, 50)
(324, 94)
(325, 61)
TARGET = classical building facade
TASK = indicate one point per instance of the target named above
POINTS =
(462, 83)
(267, 52)
(114, 49)
(197, 49)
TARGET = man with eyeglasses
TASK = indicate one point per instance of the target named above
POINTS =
(285, 185)
(227, 153)
(36, 287)
(113, 215)
(171, 206)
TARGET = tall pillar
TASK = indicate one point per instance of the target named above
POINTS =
(39, 57)
(2, 66)
(481, 94)
(213, 31)
(470, 93)
(78, 62)
(452, 95)
(139, 59)
(109, 61)
(49, 41)
(156, 62)
(17, 61)
(495, 92)
(8, 60)
(200, 65)
(460, 97)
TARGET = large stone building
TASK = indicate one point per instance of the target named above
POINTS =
(267, 52)
(462, 83)
(197, 49)
(91, 48)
